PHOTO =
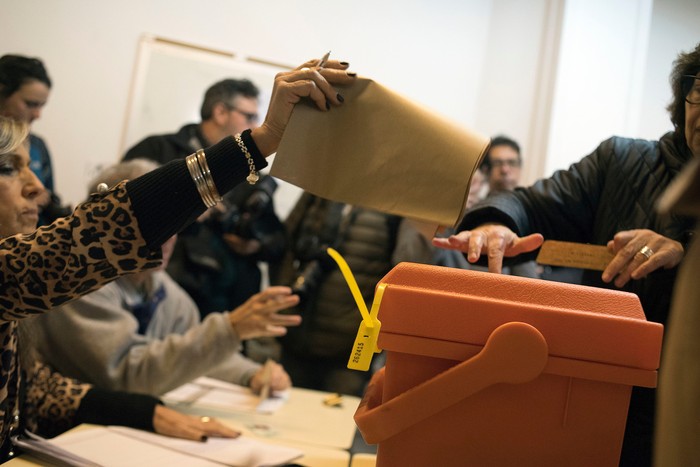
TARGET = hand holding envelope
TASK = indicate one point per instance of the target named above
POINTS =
(381, 151)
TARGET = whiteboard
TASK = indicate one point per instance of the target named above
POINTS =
(168, 86)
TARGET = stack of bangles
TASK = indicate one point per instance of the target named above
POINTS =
(199, 171)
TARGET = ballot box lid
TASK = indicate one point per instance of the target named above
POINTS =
(587, 329)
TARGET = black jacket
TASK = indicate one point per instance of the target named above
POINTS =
(167, 147)
(613, 189)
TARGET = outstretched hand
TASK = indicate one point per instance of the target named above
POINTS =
(306, 81)
(494, 240)
(638, 253)
(258, 316)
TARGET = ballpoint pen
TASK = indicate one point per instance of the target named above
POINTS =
(267, 379)
(324, 59)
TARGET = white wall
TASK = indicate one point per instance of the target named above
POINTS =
(493, 65)
(422, 49)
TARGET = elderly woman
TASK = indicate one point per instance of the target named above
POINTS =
(607, 198)
(117, 232)
(143, 333)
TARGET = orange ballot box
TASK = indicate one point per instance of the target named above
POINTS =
(492, 370)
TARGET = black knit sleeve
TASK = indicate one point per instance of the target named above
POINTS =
(103, 407)
(166, 199)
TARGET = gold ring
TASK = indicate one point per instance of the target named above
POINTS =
(646, 252)
(205, 419)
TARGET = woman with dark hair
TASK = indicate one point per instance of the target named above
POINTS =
(118, 231)
(607, 198)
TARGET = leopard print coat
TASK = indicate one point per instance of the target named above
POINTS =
(47, 268)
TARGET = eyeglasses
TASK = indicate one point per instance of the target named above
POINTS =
(250, 117)
(691, 88)
(497, 163)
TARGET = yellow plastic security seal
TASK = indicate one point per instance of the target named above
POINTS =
(365, 345)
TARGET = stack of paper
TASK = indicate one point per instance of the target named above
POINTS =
(120, 446)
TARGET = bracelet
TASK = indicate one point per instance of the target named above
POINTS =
(199, 171)
(253, 176)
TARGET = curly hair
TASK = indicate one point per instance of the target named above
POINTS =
(687, 63)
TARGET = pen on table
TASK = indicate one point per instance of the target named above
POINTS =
(267, 379)
(324, 59)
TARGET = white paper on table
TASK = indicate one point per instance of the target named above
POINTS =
(120, 446)
(219, 394)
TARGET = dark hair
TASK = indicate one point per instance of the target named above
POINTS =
(16, 70)
(499, 140)
(685, 64)
(225, 91)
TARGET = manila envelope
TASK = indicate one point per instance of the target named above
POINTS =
(381, 151)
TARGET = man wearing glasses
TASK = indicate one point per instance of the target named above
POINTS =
(230, 106)
(502, 164)
(216, 259)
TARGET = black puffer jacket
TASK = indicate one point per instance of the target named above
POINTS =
(613, 189)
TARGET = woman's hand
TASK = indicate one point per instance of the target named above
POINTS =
(494, 240)
(638, 253)
(307, 80)
(279, 379)
(258, 316)
(169, 422)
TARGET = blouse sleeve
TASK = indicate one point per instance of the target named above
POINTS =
(56, 403)
(112, 234)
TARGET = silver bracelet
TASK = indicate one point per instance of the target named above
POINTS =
(253, 176)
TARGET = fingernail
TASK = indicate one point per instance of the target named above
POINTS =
(340, 97)
(328, 105)
(204, 438)
(351, 73)
(344, 63)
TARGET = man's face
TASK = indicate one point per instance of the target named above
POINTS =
(505, 168)
(692, 124)
(27, 102)
(242, 114)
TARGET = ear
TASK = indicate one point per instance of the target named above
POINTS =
(220, 113)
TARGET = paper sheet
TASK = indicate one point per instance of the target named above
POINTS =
(381, 151)
(120, 446)
(219, 394)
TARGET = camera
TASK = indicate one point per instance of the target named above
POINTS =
(244, 205)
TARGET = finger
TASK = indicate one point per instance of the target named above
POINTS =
(321, 78)
(274, 291)
(459, 241)
(275, 331)
(308, 63)
(336, 64)
(477, 240)
(495, 249)
(622, 258)
(215, 428)
(285, 320)
(281, 303)
(526, 244)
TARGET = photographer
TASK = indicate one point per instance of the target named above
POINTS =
(315, 354)
(216, 258)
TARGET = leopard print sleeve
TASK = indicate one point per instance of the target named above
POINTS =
(52, 401)
(72, 256)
